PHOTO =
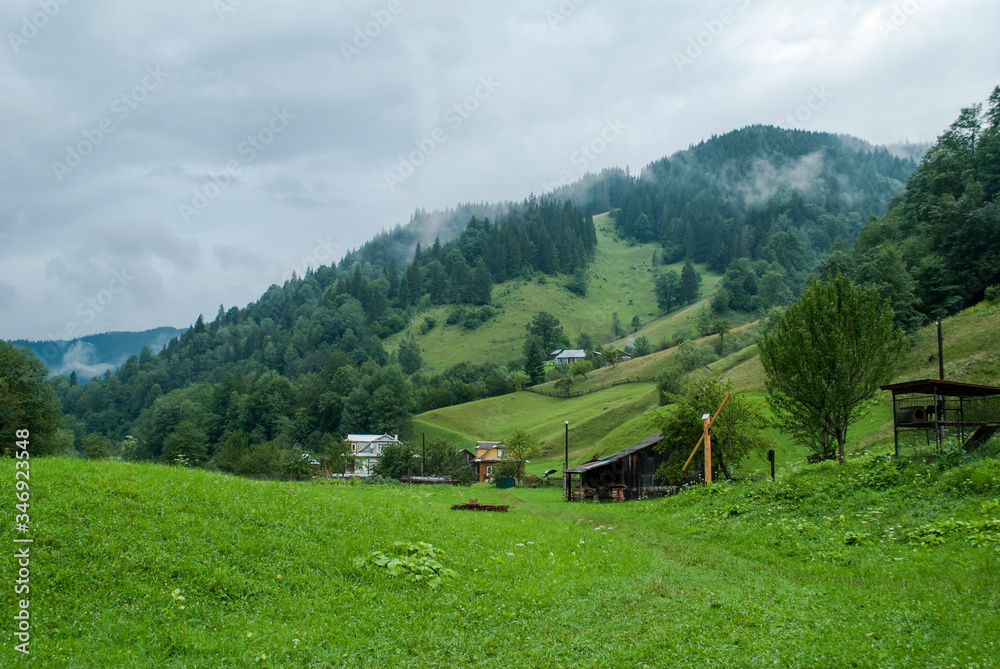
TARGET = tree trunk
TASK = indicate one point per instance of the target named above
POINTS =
(841, 438)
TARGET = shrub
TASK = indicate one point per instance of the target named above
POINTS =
(298, 468)
(96, 446)
(465, 476)
(417, 563)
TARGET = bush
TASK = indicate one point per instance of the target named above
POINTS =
(298, 468)
(670, 471)
(96, 446)
(427, 325)
(690, 356)
(465, 476)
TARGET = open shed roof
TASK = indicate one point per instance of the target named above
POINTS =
(645, 443)
(943, 388)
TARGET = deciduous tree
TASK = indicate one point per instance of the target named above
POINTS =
(825, 359)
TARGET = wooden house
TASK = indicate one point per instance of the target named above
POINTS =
(567, 356)
(366, 449)
(466, 457)
(488, 455)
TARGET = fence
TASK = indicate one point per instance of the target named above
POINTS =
(603, 386)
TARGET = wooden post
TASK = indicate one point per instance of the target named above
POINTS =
(770, 456)
(424, 460)
(940, 351)
(567, 489)
(708, 448)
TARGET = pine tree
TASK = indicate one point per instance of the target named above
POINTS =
(409, 354)
(481, 290)
(687, 291)
(534, 359)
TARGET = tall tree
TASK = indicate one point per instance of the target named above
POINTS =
(481, 290)
(667, 290)
(409, 354)
(26, 401)
(534, 359)
(687, 291)
(826, 358)
(548, 329)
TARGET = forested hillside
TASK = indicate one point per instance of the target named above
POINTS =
(306, 363)
(93, 355)
(937, 250)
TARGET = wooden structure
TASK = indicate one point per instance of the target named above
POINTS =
(628, 474)
(565, 356)
(488, 455)
(427, 480)
(931, 414)
(366, 450)
(706, 440)
(474, 505)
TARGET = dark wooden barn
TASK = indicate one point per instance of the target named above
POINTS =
(931, 415)
(628, 474)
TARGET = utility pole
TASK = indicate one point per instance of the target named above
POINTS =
(708, 447)
(423, 461)
(940, 352)
(566, 466)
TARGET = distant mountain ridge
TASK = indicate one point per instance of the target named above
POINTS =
(93, 355)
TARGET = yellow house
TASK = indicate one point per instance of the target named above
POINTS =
(488, 454)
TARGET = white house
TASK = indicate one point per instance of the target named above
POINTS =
(568, 357)
(367, 449)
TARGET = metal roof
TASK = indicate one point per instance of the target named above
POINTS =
(645, 443)
(945, 388)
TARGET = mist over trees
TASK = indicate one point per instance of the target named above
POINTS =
(306, 363)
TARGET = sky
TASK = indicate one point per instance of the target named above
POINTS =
(160, 159)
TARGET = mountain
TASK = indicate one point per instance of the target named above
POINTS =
(308, 361)
(96, 354)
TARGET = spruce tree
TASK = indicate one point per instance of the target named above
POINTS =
(687, 291)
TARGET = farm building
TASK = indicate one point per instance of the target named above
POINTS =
(366, 449)
(931, 415)
(628, 474)
(466, 457)
(488, 454)
(568, 357)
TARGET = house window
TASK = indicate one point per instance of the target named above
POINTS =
(489, 470)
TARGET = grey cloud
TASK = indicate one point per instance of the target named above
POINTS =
(324, 174)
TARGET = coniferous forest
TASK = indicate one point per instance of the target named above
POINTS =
(767, 208)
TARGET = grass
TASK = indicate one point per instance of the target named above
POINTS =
(590, 417)
(818, 569)
(621, 280)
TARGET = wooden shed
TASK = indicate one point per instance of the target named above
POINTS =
(931, 414)
(628, 474)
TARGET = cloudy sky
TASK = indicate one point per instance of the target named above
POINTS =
(158, 159)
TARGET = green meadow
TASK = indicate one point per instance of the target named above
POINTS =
(872, 564)
(620, 280)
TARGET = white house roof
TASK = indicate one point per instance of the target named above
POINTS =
(567, 353)
(371, 437)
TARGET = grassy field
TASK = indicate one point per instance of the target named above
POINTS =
(605, 421)
(867, 565)
(590, 417)
(620, 280)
